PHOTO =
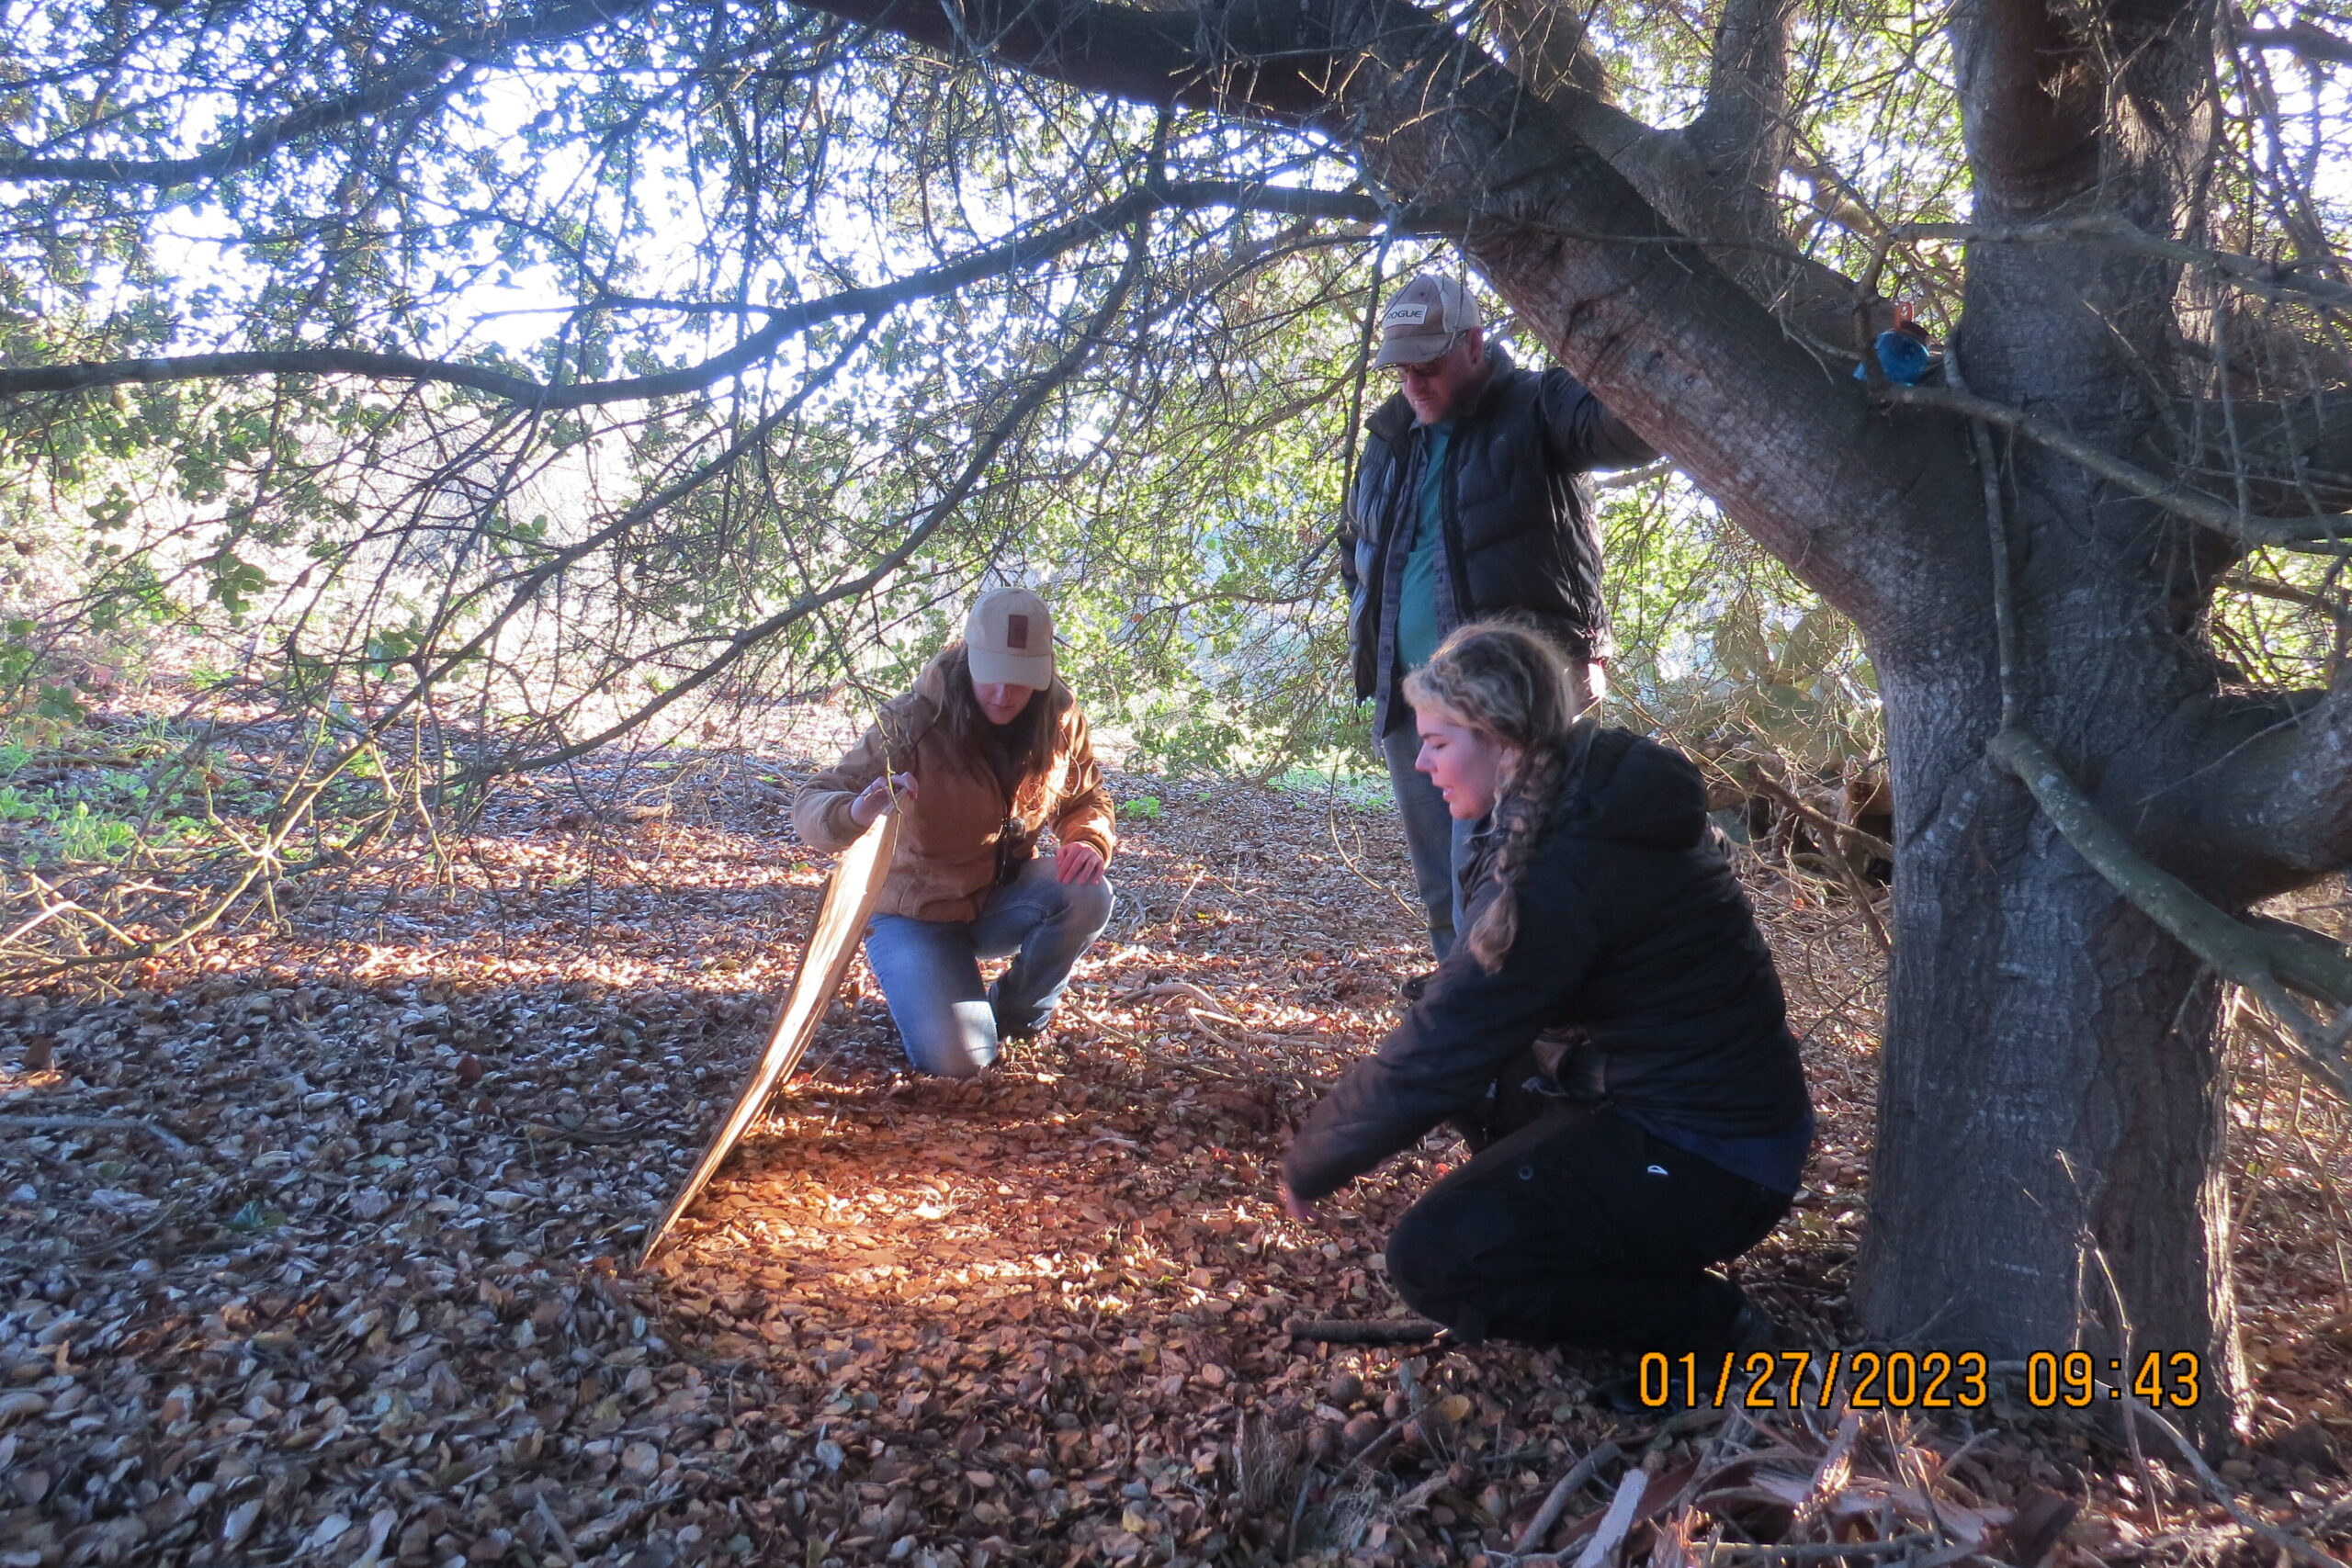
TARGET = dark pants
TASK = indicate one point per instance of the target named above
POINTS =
(1582, 1231)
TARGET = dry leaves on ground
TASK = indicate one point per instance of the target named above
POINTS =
(312, 1243)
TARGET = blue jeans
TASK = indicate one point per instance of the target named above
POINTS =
(929, 970)
(1437, 843)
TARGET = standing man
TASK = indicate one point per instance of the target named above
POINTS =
(1471, 501)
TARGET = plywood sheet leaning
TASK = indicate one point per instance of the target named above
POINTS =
(849, 900)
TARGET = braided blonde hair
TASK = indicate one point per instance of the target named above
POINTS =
(1512, 686)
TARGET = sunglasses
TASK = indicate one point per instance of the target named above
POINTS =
(1427, 370)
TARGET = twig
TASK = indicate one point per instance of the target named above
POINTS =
(1243, 1033)
(1298, 1510)
(2288, 593)
(555, 1529)
(2268, 280)
(1862, 837)
(1847, 875)
(1555, 1502)
(1331, 825)
(178, 1145)
(1357, 1331)
(1418, 1497)
(1996, 532)
(1818, 1550)
(1179, 988)
(2314, 538)
(1363, 1455)
(1617, 1521)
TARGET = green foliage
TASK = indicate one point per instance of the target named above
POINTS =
(83, 835)
(1721, 648)
(256, 1218)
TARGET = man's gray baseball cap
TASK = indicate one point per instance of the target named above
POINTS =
(1427, 317)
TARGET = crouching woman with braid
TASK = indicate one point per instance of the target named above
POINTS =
(1611, 1035)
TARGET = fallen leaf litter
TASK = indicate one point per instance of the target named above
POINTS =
(313, 1244)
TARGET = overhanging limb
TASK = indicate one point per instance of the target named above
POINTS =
(2266, 960)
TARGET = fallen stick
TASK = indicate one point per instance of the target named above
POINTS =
(1356, 1331)
(1818, 1550)
(1556, 1502)
(1617, 1522)
(178, 1145)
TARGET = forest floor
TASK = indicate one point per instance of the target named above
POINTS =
(320, 1244)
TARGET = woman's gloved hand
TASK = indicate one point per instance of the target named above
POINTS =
(875, 797)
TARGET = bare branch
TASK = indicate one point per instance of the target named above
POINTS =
(2302, 38)
(171, 1141)
(2319, 536)
(1033, 397)
(2271, 280)
(440, 65)
(2260, 960)
(2288, 593)
(783, 324)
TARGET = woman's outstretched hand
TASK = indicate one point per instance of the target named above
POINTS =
(1299, 1209)
(1078, 865)
(875, 797)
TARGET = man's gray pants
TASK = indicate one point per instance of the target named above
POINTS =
(1435, 840)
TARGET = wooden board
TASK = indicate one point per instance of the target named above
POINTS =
(848, 903)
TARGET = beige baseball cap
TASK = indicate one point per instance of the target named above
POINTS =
(1010, 638)
(1427, 317)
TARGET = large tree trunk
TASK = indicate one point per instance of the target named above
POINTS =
(2050, 1090)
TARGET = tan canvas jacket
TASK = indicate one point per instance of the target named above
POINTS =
(946, 862)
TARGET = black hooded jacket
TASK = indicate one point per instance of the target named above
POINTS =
(1632, 930)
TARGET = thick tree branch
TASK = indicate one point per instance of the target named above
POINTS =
(1299, 62)
(2034, 105)
(2269, 280)
(1680, 350)
(783, 324)
(1549, 48)
(1742, 133)
(2303, 39)
(2264, 961)
(2306, 782)
(1268, 59)
(439, 65)
(2319, 536)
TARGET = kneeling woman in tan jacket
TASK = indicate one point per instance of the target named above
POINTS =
(987, 750)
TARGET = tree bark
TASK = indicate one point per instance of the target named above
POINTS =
(2049, 1098)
